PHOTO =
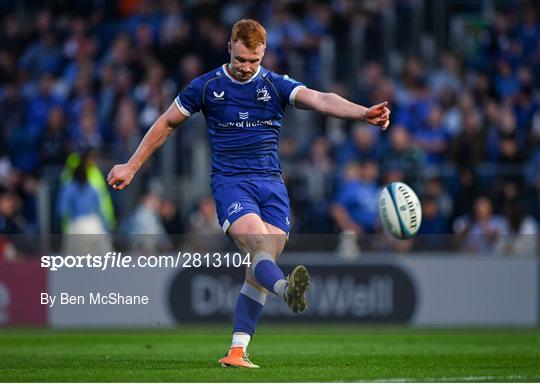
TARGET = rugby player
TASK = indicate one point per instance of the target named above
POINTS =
(243, 104)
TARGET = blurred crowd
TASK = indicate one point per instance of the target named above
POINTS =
(81, 82)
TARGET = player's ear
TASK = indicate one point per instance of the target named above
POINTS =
(229, 46)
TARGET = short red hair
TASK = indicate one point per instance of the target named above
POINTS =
(250, 32)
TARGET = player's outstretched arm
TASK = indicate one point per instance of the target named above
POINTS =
(121, 174)
(336, 106)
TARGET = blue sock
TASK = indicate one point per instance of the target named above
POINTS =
(248, 309)
(266, 271)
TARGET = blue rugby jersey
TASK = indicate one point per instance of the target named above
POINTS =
(243, 119)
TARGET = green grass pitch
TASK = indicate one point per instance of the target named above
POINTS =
(284, 352)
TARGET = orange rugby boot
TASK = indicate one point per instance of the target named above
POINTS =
(237, 358)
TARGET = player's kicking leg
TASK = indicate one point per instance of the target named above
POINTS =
(265, 243)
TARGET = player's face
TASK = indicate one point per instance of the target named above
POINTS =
(244, 61)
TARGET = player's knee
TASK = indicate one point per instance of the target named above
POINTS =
(250, 234)
(254, 243)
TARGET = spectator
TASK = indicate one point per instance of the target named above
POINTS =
(204, 230)
(81, 50)
(27, 192)
(203, 220)
(126, 129)
(319, 170)
(484, 230)
(120, 53)
(44, 55)
(189, 67)
(89, 137)
(355, 207)
(448, 76)
(522, 236)
(289, 154)
(81, 100)
(506, 82)
(96, 180)
(401, 154)
(432, 139)
(363, 147)
(434, 187)
(107, 96)
(315, 190)
(153, 95)
(467, 148)
(78, 205)
(40, 105)
(170, 218)
(454, 111)
(144, 227)
(528, 32)
(467, 191)
(11, 221)
(433, 221)
(434, 224)
(53, 144)
(495, 125)
(12, 112)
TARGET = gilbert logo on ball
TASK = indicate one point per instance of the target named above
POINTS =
(400, 210)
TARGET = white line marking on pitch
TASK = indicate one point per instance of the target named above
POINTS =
(432, 379)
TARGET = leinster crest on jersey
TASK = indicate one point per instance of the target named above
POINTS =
(263, 94)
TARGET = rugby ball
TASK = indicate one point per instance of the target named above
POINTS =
(400, 210)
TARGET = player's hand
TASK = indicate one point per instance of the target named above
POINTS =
(379, 115)
(120, 176)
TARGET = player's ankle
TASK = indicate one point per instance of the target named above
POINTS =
(240, 339)
(280, 288)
